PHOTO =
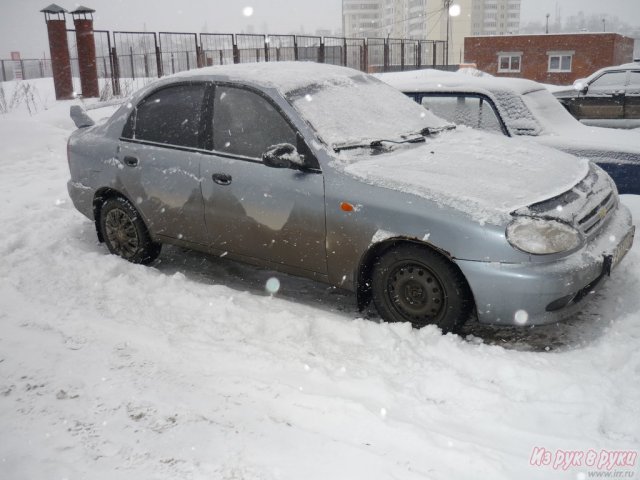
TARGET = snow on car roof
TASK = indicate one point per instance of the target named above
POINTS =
(417, 80)
(284, 76)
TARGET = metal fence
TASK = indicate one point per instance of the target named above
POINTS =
(136, 55)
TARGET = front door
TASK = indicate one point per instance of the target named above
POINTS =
(632, 99)
(272, 214)
(604, 98)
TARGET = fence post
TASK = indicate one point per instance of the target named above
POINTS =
(236, 51)
(158, 57)
(365, 56)
(133, 73)
(419, 55)
(385, 66)
(115, 72)
(199, 56)
(41, 68)
(266, 49)
(4, 72)
(402, 55)
(344, 53)
(295, 48)
(321, 52)
(146, 65)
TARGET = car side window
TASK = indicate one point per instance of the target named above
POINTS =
(634, 81)
(472, 111)
(610, 80)
(245, 123)
(171, 116)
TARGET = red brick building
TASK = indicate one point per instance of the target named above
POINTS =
(553, 58)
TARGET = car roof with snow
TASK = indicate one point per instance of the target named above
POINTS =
(635, 65)
(418, 80)
(283, 76)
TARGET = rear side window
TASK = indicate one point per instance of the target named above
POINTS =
(172, 116)
(244, 123)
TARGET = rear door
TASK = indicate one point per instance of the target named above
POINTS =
(260, 212)
(159, 158)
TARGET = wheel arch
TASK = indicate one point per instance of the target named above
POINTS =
(100, 197)
(367, 260)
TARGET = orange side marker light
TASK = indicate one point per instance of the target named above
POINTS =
(346, 207)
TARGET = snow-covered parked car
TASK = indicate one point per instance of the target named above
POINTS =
(328, 173)
(609, 97)
(523, 108)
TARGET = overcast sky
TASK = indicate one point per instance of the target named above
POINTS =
(22, 27)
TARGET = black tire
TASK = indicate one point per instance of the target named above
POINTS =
(415, 284)
(125, 233)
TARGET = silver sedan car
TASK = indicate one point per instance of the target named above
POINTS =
(328, 173)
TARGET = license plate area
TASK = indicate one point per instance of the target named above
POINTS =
(623, 247)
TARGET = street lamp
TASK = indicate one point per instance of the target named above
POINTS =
(453, 10)
(546, 28)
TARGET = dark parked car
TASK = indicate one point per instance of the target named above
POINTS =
(328, 173)
(608, 98)
(523, 109)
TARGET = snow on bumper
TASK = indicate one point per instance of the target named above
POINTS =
(82, 197)
(540, 293)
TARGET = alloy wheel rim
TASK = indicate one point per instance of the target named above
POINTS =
(121, 233)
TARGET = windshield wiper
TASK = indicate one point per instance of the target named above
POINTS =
(427, 131)
(378, 143)
(421, 137)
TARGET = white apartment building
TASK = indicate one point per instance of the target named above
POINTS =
(430, 20)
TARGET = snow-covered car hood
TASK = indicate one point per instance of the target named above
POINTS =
(483, 175)
(581, 138)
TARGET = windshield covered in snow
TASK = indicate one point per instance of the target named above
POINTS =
(360, 109)
(548, 111)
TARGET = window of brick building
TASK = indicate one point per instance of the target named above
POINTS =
(560, 61)
(509, 61)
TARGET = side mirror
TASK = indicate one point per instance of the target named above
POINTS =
(283, 155)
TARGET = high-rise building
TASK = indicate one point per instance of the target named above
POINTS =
(430, 20)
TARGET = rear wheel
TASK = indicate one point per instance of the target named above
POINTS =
(125, 233)
(414, 284)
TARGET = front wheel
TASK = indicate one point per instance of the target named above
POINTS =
(414, 284)
(125, 233)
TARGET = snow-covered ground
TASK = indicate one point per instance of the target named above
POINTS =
(189, 369)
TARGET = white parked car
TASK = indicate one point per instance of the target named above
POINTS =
(523, 108)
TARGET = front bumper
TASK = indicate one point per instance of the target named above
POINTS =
(541, 293)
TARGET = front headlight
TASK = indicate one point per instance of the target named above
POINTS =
(542, 237)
